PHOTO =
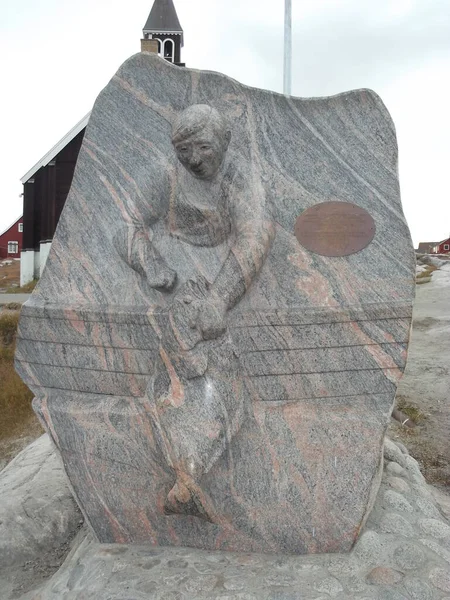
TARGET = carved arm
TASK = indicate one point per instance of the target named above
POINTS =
(134, 245)
(254, 232)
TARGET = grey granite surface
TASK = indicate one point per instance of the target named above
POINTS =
(207, 379)
(13, 298)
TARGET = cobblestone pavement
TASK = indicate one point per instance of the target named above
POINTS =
(402, 554)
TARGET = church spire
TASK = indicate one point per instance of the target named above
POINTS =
(164, 26)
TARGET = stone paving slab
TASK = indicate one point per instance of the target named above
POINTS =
(402, 554)
(13, 298)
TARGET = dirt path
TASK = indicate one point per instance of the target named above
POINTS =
(424, 392)
(9, 273)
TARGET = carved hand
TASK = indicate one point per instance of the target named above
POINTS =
(211, 318)
(164, 279)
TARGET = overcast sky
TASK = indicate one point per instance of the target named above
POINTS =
(57, 56)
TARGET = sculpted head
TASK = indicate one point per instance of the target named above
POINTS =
(200, 137)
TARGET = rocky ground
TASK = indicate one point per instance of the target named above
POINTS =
(403, 552)
(424, 391)
(38, 519)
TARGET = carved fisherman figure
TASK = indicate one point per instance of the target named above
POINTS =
(197, 387)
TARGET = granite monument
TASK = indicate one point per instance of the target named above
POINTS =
(216, 340)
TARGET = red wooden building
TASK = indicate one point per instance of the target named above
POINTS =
(11, 240)
(442, 247)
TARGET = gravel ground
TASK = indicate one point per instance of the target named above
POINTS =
(424, 391)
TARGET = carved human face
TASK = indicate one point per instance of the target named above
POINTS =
(202, 153)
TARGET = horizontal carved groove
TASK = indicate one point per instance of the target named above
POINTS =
(325, 347)
(401, 310)
(23, 362)
(323, 359)
(362, 395)
(280, 349)
(284, 350)
(280, 337)
(322, 372)
(307, 323)
(102, 346)
(83, 369)
(262, 323)
(47, 389)
(74, 380)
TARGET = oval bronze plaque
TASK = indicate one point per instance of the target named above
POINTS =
(335, 228)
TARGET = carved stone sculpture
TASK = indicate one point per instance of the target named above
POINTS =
(213, 372)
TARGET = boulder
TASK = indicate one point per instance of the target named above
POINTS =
(216, 340)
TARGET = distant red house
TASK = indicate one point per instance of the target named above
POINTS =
(442, 247)
(11, 240)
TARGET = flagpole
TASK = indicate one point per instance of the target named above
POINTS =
(287, 47)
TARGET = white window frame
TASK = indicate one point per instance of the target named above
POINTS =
(15, 245)
(172, 54)
(20, 227)
(446, 247)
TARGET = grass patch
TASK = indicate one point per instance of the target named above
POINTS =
(13, 306)
(25, 289)
(426, 272)
(416, 415)
(16, 414)
(8, 327)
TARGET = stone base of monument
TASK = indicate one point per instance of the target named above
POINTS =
(403, 553)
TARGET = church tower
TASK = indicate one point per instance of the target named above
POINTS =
(163, 33)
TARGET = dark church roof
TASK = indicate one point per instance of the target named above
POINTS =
(163, 18)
